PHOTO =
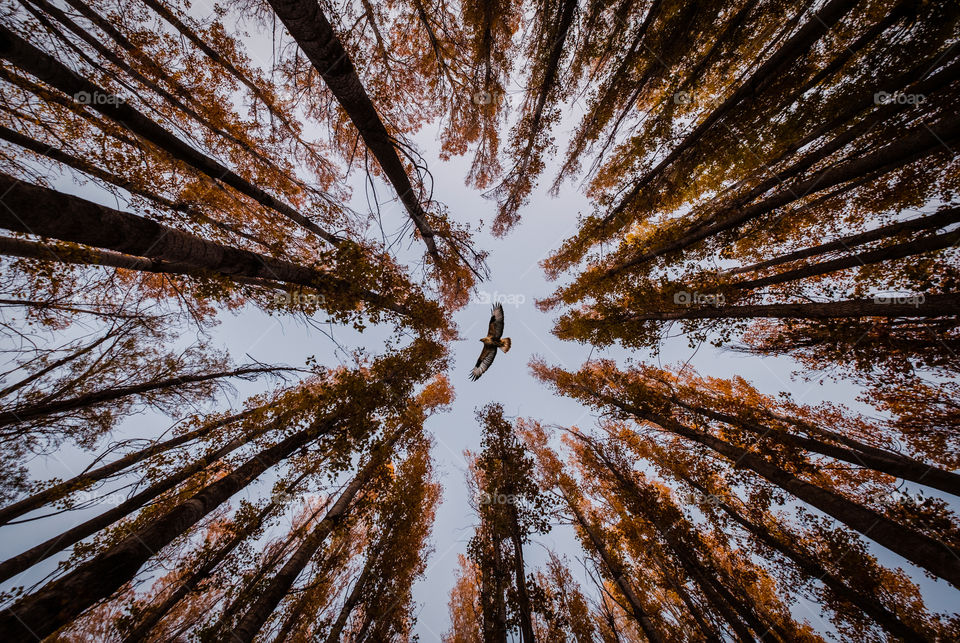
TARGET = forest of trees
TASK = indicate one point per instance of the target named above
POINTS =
(776, 179)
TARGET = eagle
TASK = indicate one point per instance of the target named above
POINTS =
(491, 343)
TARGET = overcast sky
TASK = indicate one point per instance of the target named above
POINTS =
(517, 279)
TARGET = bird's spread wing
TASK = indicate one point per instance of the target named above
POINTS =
(496, 322)
(486, 359)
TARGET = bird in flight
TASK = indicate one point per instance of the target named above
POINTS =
(491, 343)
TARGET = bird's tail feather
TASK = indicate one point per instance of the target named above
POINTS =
(505, 344)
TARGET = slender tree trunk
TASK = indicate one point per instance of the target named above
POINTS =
(36, 210)
(616, 574)
(520, 578)
(90, 169)
(818, 24)
(311, 30)
(644, 505)
(946, 305)
(919, 143)
(939, 219)
(52, 606)
(52, 366)
(155, 613)
(493, 608)
(31, 411)
(34, 61)
(273, 593)
(812, 568)
(44, 550)
(886, 253)
(336, 630)
(85, 479)
(12, 247)
(936, 557)
(862, 455)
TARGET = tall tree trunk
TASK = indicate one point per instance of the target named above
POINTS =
(32, 209)
(34, 61)
(917, 144)
(90, 169)
(155, 613)
(85, 479)
(886, 253)
(939, 219)
(818, 24)
(51, 546)
(616, 574)
(520, 578)
(336, 630)
(946, 305)
(31, 411)
(936, 557)
(493, 607)
(813, 569)
(52, 606)
(274, 592)
(863, 455)
(311, 30)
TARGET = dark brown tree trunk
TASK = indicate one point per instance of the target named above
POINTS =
(616, 574)
(31, 411)
(280, 584)
(818, 24)
(34, 61)
(155, 613)
(734, 610)
(520, 578)
(12, 247)
(813, 569)
(946, 305)
(863, 455)
(939, 219)
(46, 610)
(915, 145)
(936, 557)
(886, 253)
(493, 607)
(92, 170)
(310, 29)
(87, 478)
(32, 556)
(37, 210)
(336, 630)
